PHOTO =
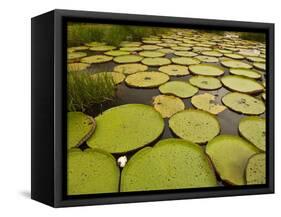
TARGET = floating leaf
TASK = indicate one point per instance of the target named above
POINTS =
(127, 59)
(96, 59)
(95, 43)
(206, 69)
(234, 56)
(73, 49)
(150, 47)
(77, 66)
(256, 170)
(180, 48)
(165, 50)
(146, 79)
(130, 68)
(260, 66)
(256, 59)
(131, 49)
(174, 70)
(246, 72)
(116, 53)
(236, 64)
(102, 48)
(185, 60)
(207, 59)
(212, 53)
(151, 54)
(185, 53)
(156, 61)
(205, 82)
(178, 88)
(75, 56)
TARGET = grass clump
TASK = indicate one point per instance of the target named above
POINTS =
(84, 91)
(260, 37)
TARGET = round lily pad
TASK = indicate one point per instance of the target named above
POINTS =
(181, 48)
(79, 128)
(79, 48)
(165, 50)
(102, 48)
(207, 59)
(116, 53)
(246, 72)
(181, 89)
(185, 53)
(75, 56)
(151, 54)
(167, 105)
(206, 69)
(253, 129)
(146, 79)
(195, 125)
(96, 59)
(252, 53)
(150, 47)
(131, 49)
(256, 170)
(127, 59)
(130, 68)
(116, 76)
(170, 164)
(127, 127)
(95, 43)
(185, 60)
(130, 44)
(236, 64)
(243, 103)
(156, 61)
(212, 53)
(241, 84)
(205, 82)
(91, 172)
(229, 155)
(223, 51)
(260, 66)
(234, 56)
(207, 103)
(77, 66)
(174, 70)
(256, 59)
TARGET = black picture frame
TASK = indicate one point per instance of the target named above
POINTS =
(48, 163)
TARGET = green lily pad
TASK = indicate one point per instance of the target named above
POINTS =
(200, 49)
(174, 70)
(185, 53)
(130, 68)
(151, 54)
(185, 60)
(256, 170)
(150, 47)
(234, 56)
(96, 59)
(243, 103)
(246, 72)
(130, 44)
(223, 51)
(230, 155)
(79, 48)
(127, 127)
(131, 49)
(102, 48)
(127, 59)
(116, 53)
(205, 82)
(180, 48)
(146, 79)
(212, 53)
(91, 172)
(181, 89)
(195, 125)
(241, 84)
(207, 59)
(206, 102)
(206, 69)
(157, 168)
(116, 76)
(151, 41)
(168, 105)
(77, 66)
(165, 50)
(236, 64)
(260, 66)
(75, 56)
(79, 128)
(256, 59)
(95, 43)
(253, 130)
(156, 61)
(251, 53)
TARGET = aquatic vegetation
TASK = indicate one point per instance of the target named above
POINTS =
(256, 170)
(102, 48)
(181, 89)
(78, 48)
(253, 36)
(243, 103)
(96, 59)
(116, 76)
(168, 105)
(151, 54)
(130, 68)
(236, 64)
(156, 61)
(75, 56)
(79, 128)
(91, 171)
(181, 48)
(174, 70)
(185, 53)
(77, 66)
(126, 128)
(207, 59)
(212, 53)
(146, 79)
(234, 56)
(170, 164)
(185, 60)
(194, 125)
(127, 59)
(246, 72)
(131, 49)
(253, 130)
(150, 47)
(260, 66)
(205, 82)
(230, 155)
(256, 59)
(206, 69)
(116, 53)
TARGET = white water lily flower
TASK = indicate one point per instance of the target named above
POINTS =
(122, 161)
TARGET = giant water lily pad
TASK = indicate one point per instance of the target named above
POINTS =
(207, 59)
(185, 53)
(205, 82)
(91, 172)
(131, 49)
(181, 48)
(246, 72)
(230, 155)
(206, 69)
(260, 66)
(116, 76)
(127, 127)
(146, 79)
(102, 48)
(79, 128)
(75, 56)
(96, 59)
(178, 88)
(253, 129)
(242, 84)
(234, 56)
(156, 61)
(207, 103)
(256, 59)
(130, 68)
(170, 164)
(116, 53)
(243, 103)
(127, 59)
(174, 70)
(165, 50)
(185, 60)
(236, 64)
(150, 47)
(77, 66)
(151, 54)
(79, 48)
(256, 170)
(95, 43)
(195, 125)
(212, 53)
(167, 105)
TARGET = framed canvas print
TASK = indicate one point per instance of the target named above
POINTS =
(130, 108)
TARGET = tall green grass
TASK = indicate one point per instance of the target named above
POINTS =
(80, 33)
(260, 37)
